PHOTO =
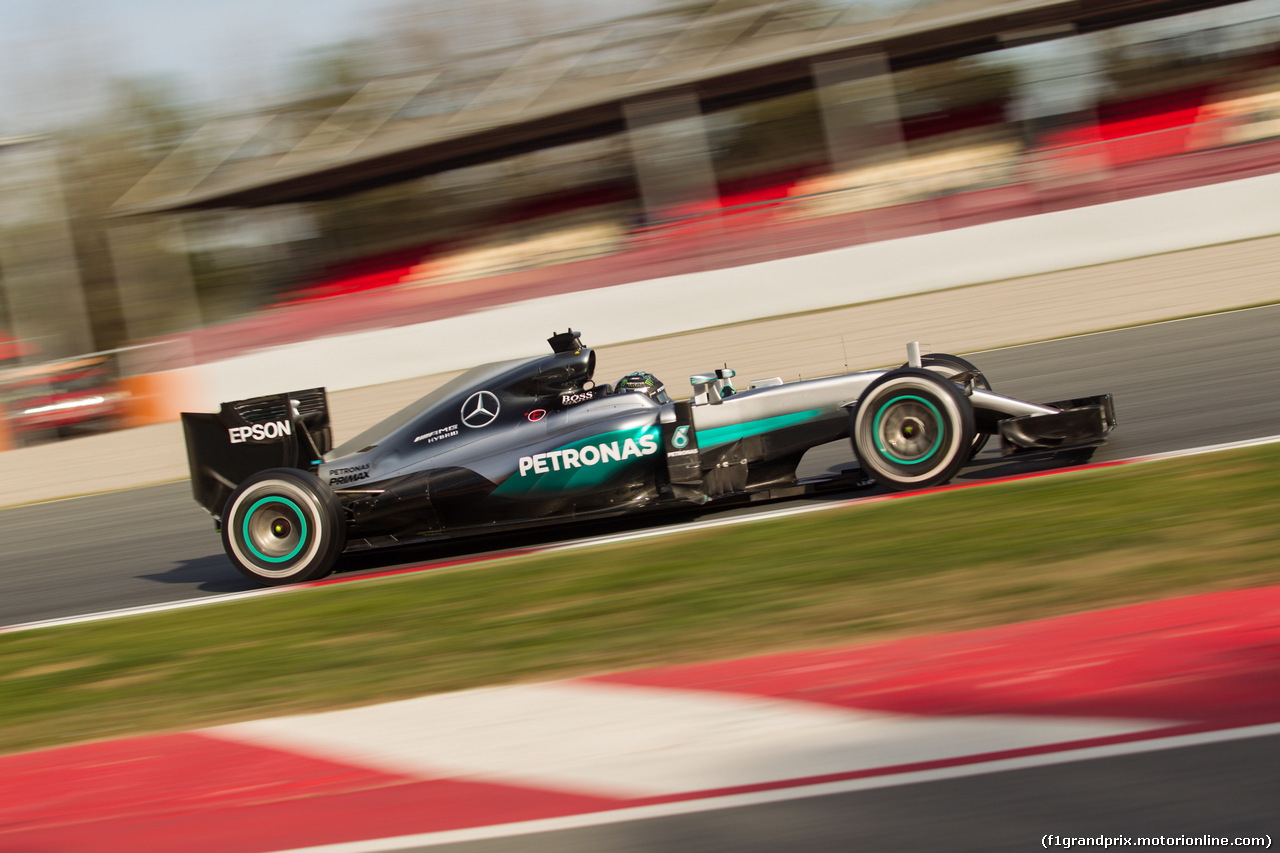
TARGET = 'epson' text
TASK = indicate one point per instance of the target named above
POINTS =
(260, 432)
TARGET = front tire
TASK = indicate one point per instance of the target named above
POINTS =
(283, 526)
(913, 429)
(950, 366)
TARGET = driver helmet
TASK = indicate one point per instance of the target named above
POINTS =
(645, 383)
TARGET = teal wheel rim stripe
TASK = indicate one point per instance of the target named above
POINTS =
(302, 539)
(875, 430)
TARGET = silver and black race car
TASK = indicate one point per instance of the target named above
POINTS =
(536, 441)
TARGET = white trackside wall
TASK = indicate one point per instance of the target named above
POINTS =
(1204, 216)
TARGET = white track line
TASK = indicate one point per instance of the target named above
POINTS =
(668, 530)
(433, 839)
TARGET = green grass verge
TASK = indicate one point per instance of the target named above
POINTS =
(946, 561)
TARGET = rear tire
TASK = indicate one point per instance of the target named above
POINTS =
(913, 429)
(283, 525)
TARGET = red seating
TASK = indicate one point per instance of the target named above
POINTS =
(1137, 129)
(361, 275)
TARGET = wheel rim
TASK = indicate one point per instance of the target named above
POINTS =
(908, 430)
(275, 529)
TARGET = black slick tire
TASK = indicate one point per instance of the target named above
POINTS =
(281, 526)
(913, 429)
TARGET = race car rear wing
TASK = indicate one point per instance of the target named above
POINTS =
(246, 436)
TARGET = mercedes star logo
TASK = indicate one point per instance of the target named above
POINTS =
(480, 409)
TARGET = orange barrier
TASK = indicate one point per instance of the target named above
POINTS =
(158, 397)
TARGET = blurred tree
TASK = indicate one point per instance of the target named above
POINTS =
(341, 66)
(410, 35)
(413, 37)
(141, 120)
(413, 33)
(151, 112)
(718, 7)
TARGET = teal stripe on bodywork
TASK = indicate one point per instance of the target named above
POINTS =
(717, 436)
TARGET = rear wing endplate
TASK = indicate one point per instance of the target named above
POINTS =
(246, 436)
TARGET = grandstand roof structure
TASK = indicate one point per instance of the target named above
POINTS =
(574, 85)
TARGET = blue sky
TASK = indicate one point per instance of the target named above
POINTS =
(162, 34)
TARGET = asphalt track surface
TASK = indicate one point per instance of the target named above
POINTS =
(1177, 385)
(1219, 790)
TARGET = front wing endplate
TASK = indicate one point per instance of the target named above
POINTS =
(1082, 422)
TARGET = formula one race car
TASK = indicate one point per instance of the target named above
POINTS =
(535, 441)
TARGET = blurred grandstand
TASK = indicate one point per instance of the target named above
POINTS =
(699, 136)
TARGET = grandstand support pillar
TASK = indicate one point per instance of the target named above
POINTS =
(868, 157)
(39, 271)
(153, 279)
(672, 157)
(859, 107)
